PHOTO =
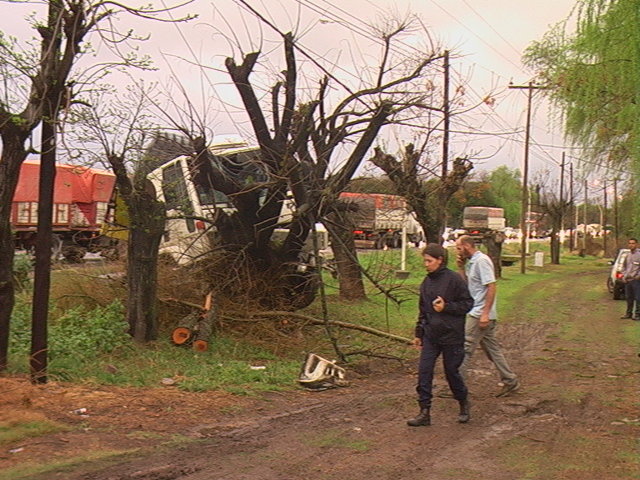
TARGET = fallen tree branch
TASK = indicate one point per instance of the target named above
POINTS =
(300, 316)
(316, 321)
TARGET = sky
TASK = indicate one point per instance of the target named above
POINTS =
(486, 38)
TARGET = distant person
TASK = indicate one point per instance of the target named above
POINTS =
(444, 301)
(631, 279)
(478, 270)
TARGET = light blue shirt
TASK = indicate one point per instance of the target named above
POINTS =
(480, 273)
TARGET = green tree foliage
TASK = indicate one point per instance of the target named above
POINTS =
(595, 73)
(473, 193)
(506, 189)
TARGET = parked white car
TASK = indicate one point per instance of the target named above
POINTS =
(614, 282)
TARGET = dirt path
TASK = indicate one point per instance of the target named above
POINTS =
(576, 416)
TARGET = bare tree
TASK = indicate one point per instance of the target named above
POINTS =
(37, 84)
(118, 129)
(556, 209)
(301, 146)
(427, 192)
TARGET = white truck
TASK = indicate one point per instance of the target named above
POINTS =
(477, 221)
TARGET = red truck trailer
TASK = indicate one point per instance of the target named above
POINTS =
(81, 196)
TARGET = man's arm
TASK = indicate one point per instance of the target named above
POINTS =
(488, 303)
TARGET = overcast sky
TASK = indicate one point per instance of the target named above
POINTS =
(486, 37)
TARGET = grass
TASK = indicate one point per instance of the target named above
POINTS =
(15, 431)
(26, 472)
(227, 363)
(581, 453)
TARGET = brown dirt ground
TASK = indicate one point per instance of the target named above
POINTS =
(578, 400)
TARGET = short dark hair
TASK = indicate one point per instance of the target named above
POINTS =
(436, 251)
(634, 239)
(467, 239)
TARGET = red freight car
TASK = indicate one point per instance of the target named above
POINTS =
(80, 198)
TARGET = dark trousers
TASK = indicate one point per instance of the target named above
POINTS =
(632, 293)
(452, 357)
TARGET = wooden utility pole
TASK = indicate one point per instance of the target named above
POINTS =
(571, 230)
(446, 113)
(604, 217)
(584, 217)
(616, 223)
(561, 202)
(530, 87)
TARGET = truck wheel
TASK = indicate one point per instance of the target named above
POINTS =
(380, 243)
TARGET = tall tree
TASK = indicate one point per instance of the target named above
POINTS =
(32, 79)
(121, 131)
(300, 141)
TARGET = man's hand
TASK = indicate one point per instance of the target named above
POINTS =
(483, 322)
(438, 304)
(416, 343)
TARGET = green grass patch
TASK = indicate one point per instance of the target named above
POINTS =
(28, 472)
(16, 431)
(570, 455)
(90, 345)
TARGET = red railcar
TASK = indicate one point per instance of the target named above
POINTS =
(81, 196)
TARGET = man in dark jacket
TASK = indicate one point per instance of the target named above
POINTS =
(444, 302)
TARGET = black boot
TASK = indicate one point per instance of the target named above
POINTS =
(423, 418)
(465, 415)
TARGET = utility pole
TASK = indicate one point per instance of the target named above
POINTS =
(616, 225)
(584, 217)
(571, 243)
(446, 112)
(530, 87)
(561, 204)
(604, 218)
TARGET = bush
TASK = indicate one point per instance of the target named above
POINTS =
(22, 268)
(77, 337)
(85, 334)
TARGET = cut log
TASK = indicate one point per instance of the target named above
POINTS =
(181, 335)
(203, 330)
(200, 345)
(184, 333)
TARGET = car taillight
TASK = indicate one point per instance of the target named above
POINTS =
(619, 275)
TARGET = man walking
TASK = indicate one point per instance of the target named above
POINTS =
(631, 279)
(477, 268)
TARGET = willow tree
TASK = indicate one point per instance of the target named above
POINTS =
(595, 75)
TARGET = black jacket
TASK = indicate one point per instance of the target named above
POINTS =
(446, 327)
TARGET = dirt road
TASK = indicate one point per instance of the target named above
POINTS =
(576, 416)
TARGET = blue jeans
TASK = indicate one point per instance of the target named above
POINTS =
(452, 357)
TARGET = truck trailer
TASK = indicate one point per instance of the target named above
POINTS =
(80, 199)
(379, 219)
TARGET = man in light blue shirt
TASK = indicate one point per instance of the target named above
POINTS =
(477, 268)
